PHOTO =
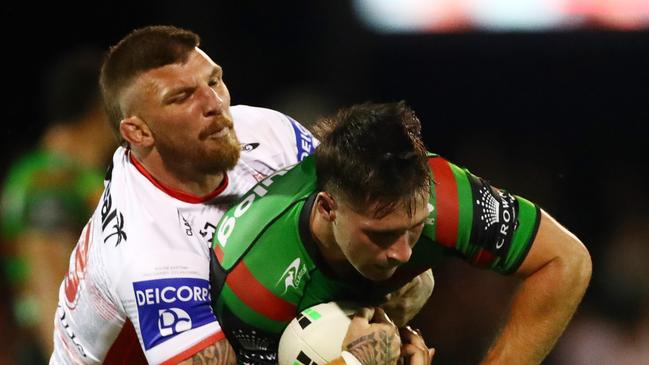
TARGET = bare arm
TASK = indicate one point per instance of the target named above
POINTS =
(218, 353)
(555, 275)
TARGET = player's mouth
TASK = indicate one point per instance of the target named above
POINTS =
(217, 131)
(221, 133)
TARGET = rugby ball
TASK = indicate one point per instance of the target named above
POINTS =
(316, 335)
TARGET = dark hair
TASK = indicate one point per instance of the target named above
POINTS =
(373, 154)
(142, 50)
(70, 87)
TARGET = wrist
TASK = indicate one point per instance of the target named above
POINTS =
(349, 358)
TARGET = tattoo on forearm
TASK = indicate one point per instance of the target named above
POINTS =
(373, 349)
(219, 353)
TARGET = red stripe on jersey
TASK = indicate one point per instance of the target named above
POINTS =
(484, 258)
(195, 349)
(180, 195)
(250, 291)
(126, 348)
(218, 251)
(446, 202)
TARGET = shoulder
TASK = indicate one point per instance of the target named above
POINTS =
(252, 114)
(262, 125)
(279, 195)
(250, 121)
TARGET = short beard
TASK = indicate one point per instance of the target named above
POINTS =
(223, 160)
(191, 160)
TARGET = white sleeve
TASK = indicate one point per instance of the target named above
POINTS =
(88, 319)
(167, 298)
(271, 140)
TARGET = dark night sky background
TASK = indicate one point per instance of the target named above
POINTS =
(558, 117)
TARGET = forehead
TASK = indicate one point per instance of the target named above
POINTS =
(158, 80)
(198, 63)
(398, 218)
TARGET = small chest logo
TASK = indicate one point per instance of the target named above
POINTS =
(292, 276)
(247, 147)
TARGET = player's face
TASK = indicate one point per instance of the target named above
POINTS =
(377, 246)
(187, 108)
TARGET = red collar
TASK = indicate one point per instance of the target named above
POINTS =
(180, 195)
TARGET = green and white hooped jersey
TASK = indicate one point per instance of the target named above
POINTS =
(265, 267)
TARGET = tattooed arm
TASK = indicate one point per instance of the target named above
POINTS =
(372, 339)
(218, 353)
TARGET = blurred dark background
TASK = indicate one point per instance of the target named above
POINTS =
(559, 117)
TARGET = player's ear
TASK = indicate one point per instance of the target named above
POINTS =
(136, 132)
(326, 206)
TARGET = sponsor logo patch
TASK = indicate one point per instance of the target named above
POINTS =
(168, 307)
(304, 140)
(495, 217)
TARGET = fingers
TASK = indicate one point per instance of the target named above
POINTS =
(413, 355)
(362, 317)
(413, 336)
(381, 317)
(365, 312)
(414, 349)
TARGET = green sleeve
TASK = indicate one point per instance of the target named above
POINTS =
(488, 227)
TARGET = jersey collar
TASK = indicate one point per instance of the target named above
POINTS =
(174, 193)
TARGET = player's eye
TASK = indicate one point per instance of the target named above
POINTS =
(384, 239)
(178, 98)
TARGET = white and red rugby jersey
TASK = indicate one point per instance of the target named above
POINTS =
(143, 257)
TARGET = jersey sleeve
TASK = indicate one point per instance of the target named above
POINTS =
(169, 305)
(488, 227)
(271, 140)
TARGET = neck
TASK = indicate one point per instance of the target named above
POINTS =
(178, 178)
